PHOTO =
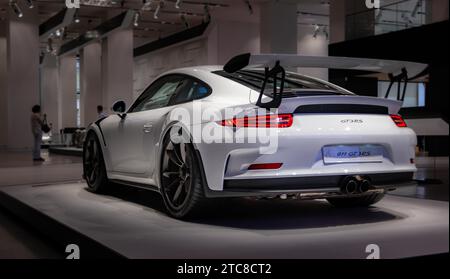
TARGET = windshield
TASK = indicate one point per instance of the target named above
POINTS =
(294, 83)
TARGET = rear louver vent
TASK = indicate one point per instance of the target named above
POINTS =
(342, 108)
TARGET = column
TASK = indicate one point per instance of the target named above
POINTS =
(67, 89)
(22, 77)
(90, 82)
(49, 91)
(117, 68)
(278, 23)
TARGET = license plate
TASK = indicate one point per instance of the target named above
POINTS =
(337, 154)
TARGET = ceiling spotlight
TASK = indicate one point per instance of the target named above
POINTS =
(207, 13)
(146, 5)
(158, 9)
(49, 45)
(58, 33)
(416, 8)
(30, 4)
(136, 17)
(63, 33)
(325, 32)
(184, 20)
(378, 15)
(316, 31)
(177, 4)
(16, 8)
(77, 18)
(249, 6)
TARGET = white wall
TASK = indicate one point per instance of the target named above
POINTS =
(308, 45)
(235, 37)
(148, 67)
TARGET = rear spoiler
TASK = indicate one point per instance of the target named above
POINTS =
(274, 64)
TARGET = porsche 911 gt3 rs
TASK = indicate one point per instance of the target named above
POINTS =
(323, 141)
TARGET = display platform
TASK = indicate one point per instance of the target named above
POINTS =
(64, 150)
(131, 223)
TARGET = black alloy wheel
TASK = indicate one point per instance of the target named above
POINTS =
(93, 164)
(181, 186)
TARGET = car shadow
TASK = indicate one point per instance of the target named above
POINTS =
(275, 214)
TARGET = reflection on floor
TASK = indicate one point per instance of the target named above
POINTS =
(17, 168)
(133, 224)
(432, 177)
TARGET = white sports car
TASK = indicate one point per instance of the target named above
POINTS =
(238, 131)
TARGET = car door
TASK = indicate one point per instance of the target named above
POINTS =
(135, 134)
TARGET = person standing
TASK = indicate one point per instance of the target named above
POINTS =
(36, 130)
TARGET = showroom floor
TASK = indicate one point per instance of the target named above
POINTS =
(287, 225)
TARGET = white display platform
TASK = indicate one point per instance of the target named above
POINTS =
(401, 227)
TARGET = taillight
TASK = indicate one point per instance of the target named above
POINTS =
(260, 121)
(398, 120)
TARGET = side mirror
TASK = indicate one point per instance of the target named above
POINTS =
(119, 107)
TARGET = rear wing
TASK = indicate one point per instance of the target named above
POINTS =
(274, 64)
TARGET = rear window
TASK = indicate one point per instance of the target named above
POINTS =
(294, 84)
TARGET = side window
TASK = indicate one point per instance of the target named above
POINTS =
(191, 90)
(159, 94)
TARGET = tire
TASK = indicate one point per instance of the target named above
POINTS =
(360, 201)
(181, 184)
(94, 170)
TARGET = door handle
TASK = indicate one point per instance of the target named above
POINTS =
(147, 128)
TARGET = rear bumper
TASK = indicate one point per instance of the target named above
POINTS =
(314, 184)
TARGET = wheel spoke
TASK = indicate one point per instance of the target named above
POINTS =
(93, 174)
(178, 191)
(176, 149)
(173, 157)
(168, 174)
(174, 182)
(183, 152)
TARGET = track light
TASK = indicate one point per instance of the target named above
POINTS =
(378, 15)
(249, 6)
(76, 17)
(136, 17)
(158, 9)
(207, 13)
(184, 20)
(177, 4)
(416, 8)
(30, 4)
(316, 31)
(49, 45)
(325, 32)
(16, 8)
(146, 5)
(58, 33)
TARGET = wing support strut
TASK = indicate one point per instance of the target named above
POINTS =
(277, 73)
(402, 77)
